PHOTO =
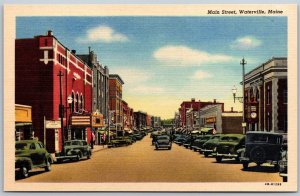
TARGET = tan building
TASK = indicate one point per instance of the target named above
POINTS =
(115, 102)
(23, 122)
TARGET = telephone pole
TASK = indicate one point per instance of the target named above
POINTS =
(61, 108)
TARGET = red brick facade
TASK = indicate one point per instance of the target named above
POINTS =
(38, 61)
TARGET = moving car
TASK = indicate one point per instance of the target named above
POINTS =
(210, 147)
(163, 141)
(262, 147)
(74, 150)
(229, 146)
(31, 154)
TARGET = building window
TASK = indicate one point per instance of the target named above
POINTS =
(268, 122)
(268, 95)
(77, 102)
(46, 42)
(73, 100)
(81, 102)
(285, 97)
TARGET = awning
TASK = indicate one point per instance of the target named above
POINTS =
(196, 131)
(23, 124)
(206, 129)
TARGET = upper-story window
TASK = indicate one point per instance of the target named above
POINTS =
(73, 102)
(81, 102)
(285, 96)
(268, 95)
(77, 102)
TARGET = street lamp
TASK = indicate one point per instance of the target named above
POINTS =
(241, 99)
(234, 90)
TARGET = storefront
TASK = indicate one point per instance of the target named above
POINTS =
(23, 122)
(81, 127)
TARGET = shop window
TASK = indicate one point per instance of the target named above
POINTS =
(77, 102)
(73, 101)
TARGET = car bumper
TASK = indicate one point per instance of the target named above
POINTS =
(283, 174)
(227, 155)
(196, 148)
(244, 159)
(206, 150)
(163, 146)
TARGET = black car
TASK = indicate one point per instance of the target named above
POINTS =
(163, 141)
(262, 147)
(74, 150)
(210, 147)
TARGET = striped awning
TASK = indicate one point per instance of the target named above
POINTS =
(83, 121)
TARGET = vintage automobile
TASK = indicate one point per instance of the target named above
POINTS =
(194, 138)
(229, 146)
(163, 141)
(74, 150)
(181, 139)
(31, 154)
(262, 147)
(198, 143)
(210, 147)
(284, 161)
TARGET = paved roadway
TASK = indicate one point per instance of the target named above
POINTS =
(141, 163)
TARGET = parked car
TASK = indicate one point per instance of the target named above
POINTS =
(210, 147)
(163, 141)
(119, 141)
(229, 145)
(31, 154)
(198, 143)
(181, 139)
(74, 150)
(262, 147)
(283, 163)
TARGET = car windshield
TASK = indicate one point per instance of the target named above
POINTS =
(76, 143)
(261, 138)
(163, 138)
(229, 139)
(21, 146)
(67, 143)
(206, 138)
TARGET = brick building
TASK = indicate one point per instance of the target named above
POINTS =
(140, 119)
(189, 110)
(266, 96)
(213, 117)
(115, 101)
(38, 62)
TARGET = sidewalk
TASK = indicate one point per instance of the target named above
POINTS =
(98, 148)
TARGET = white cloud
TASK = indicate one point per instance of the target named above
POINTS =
(102, 34)
(246, 42)
(184, 56)
(147, 90)
(199, 75)
(133, 75)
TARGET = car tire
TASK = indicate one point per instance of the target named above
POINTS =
(24, 173)
(48, 165)
(89, 155)
(237, 159)
(245, 165)
(78, 157)
(285, 179)
(219, 159)
(205, 154)
(169, 148)
(258, 155)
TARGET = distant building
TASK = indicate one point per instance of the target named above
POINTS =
(266, 96)
(155, 121)
(212, 117)
(140, 119)
(115, 101)
(189, 112)
(148, 121)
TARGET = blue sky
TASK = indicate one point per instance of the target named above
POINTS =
(166, 60)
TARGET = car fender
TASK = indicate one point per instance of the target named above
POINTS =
(24, 161)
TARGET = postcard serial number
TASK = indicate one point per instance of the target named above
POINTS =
(233, 12)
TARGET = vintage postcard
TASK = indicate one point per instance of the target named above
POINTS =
(176, 97)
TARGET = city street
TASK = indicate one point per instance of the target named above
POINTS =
(141, 163)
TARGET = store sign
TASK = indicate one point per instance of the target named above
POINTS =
(81, 120)
(97, 120)
(53, 124)
(210, 120)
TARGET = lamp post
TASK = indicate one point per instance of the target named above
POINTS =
(241, 99)
(69, 100)
(61, 108)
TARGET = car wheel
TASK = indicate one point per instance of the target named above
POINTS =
(78, 157)
(237, 159)
(89, 155)
(258, 155)
(285, 179)
(245, 165)
(169, 148)
(48, 165)
(24, 172)
(205, 154)
(218, 159)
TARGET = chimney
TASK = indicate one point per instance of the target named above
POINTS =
(215, 101)
(73, 51)
(50, 33)
(193, 99)
(231, 109)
